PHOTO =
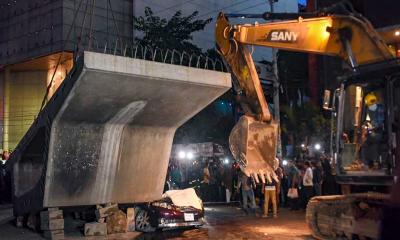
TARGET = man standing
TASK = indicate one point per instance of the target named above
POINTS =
(307, 183)
(247, 192)
(293, 184)
(206, 183)
(269, 191)
(176, 176)
(317, 178)
(279, 174)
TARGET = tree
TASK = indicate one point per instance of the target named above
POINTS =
(175, 33)
(216, 120)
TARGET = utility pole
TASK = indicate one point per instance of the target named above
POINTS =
(276, 90)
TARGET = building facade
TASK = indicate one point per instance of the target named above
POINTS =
(34, 35)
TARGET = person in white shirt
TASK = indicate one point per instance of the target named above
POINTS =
(308, 183)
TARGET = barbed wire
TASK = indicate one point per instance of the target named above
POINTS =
(156, 54)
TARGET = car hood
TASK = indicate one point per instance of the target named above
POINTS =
(184, 198)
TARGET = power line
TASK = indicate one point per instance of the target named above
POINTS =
(173, 6)
(256, 5)
(153, 4)
(200, 5)
(228, 6)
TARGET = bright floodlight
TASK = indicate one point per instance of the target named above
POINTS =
(317, 146)
(226, 160)
(397, 33)
(303, 145)
(284, 162)
(181, 154)
(190, 155)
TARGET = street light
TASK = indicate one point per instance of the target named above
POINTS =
(190, 155)
(284, 162)
(226, 160)
(181, 154)
(317, 146)
(397, 33)
(303, 145)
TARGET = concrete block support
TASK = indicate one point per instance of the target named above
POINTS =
(52, 223)
(103, 212)
(95, 229)
(54, 234)
(130, 220)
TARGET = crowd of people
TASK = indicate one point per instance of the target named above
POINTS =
(291, 186)
(210, 177)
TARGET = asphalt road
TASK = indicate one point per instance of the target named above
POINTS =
(222, 222)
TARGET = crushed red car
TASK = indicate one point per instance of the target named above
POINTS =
(177, 208)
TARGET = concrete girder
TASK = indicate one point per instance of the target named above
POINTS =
(109, 133)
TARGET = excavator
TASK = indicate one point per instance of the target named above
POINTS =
(371, 70)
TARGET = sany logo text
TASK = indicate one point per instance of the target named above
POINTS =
(282, 36)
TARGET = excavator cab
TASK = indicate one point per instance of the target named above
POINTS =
(365, 109)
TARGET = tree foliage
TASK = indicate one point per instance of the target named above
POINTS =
(175, 33)
(304, 123)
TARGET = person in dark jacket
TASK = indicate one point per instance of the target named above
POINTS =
(328, 182)
(293, 176)
(317, 178)
(246, 184)
(5, 179)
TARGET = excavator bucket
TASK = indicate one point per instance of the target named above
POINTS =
(253, 145)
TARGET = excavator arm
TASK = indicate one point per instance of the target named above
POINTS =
(352, 38)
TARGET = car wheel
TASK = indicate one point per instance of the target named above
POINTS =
(143, 221)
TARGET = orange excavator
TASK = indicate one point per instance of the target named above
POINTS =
(372, 68)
